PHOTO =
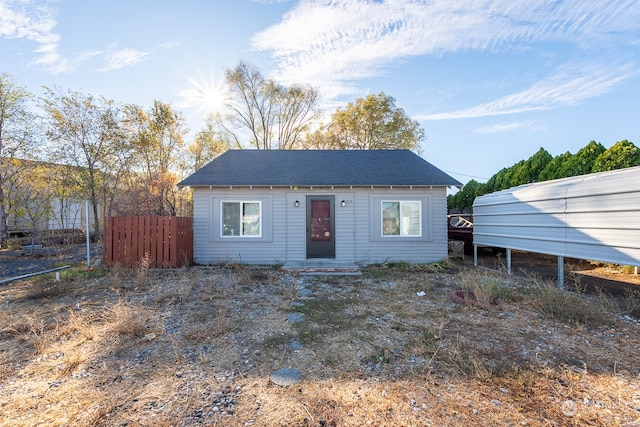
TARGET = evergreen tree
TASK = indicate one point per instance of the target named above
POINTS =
(553, 168)
(582, 162)
(623, 154)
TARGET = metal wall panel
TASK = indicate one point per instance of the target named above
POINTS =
(594, 217)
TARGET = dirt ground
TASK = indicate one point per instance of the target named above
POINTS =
(197, 346)
(592, 276)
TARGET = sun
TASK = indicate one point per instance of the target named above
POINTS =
(209, 96)
(215, 97)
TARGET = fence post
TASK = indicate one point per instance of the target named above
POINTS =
(173, 242)
(106, 243)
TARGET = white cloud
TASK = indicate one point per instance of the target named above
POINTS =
(271, 1)
(34, 22)
(507, 127)
(331, 44)
(120, 58)
(567, 86)
(123, 58)
(114, 58)
(167, 45)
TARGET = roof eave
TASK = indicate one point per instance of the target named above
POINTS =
(297, 186)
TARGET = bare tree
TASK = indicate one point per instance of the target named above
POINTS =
(32, 198)
(295, 114)
(264, 113)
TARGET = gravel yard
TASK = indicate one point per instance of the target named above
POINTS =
(15, 263)
(198, 346)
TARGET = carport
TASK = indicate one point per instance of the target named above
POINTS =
(590, 217)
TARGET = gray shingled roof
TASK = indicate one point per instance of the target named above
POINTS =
(318, 168)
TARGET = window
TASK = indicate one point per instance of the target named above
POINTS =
(241, 219)
(402, 218)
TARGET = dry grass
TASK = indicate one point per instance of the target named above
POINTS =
(573, 307)
(487, 289)
(196, 347)
(129, 319)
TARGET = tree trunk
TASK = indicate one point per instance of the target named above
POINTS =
(4, 229)
(96, 223)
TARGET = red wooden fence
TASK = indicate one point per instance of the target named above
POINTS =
(153, 241)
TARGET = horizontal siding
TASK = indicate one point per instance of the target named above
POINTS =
(294, 227)
(432, 248)
(595, 217)
(288, 227)
(345, 226)
(208, 251)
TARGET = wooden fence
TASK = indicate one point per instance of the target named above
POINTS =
(153, 241)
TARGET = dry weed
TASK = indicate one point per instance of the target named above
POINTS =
(631, 304)
(210, 324)
(129, 319)
(374, 350)
(567, 306)
(173, 292)
(72, 360)
(39, 289)
(32, 332)
(120, 278)
(78, 323)
(486, 289)
(142, 271)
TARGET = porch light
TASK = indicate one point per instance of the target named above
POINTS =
(296, 203)
(343, 203)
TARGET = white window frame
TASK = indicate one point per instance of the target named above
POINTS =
(241, 235)
(400, 235)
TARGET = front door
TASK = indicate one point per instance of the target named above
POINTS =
(321, 227)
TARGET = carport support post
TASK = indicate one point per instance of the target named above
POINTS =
(560, 272)
(509, 261)
(475, 255)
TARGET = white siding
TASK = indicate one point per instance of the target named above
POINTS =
(284, 233)
(72, 216)
(594, 217)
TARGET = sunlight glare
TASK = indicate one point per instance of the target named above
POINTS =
(210, 97)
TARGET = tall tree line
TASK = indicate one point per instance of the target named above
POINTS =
(123, 159)
(127, 159)
(542, 166)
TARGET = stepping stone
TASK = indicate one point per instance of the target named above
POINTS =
(286, 376)
(295, 317)
(304, 292)
(293, 345)
(297, 304)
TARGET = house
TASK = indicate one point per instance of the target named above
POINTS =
(278, 206)
(36, 205)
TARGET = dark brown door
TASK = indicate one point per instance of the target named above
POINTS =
(321, 227)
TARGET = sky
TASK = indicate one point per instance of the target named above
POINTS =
(491, 82)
